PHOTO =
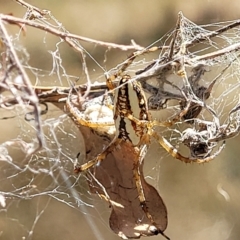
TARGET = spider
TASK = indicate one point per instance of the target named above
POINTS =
(134, 129)
(140, 211)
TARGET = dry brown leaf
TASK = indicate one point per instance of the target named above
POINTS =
(113, 178)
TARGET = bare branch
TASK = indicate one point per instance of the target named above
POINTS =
(66, 35)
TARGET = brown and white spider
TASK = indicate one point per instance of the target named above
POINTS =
(116, 172)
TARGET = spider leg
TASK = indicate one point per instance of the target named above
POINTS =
(137, 177)
(174, 152)
(175, 119)
(155, 122)
(168, 146)
(84, 167)
(100, 157)
(141, 196)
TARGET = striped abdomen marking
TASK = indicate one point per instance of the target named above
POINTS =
(130, 101)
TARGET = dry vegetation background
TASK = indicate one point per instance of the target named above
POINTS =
(196, 208)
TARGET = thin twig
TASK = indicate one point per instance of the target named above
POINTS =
(232, 48)
(66, 35)
(29, 6)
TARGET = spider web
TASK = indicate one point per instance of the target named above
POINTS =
(34, 179)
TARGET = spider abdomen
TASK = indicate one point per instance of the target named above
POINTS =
(131, 109)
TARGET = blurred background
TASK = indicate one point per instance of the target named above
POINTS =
(203, 201)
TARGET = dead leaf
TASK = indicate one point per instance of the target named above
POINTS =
(113, 178)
